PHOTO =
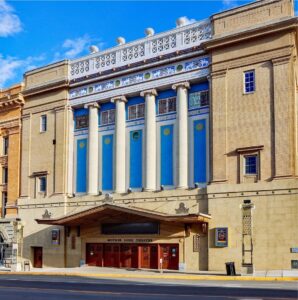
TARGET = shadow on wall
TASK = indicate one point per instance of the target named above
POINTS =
(52, 255)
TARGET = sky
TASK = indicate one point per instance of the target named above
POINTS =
(37, 33)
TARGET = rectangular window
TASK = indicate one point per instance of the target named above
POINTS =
(43, 184)
(249, 82)
(136, 111)
(81, 122)
(43, 123)
(4, 203)
(167, 105)
(198, 99)
(5, 145)
(4, 175)
(108, 117)
(251, 162)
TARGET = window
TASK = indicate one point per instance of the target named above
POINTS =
(251, 164)
(43, 184)
(4, 175)
(167, 105)
(249, 82)
(108, 117)
(198, 99)
(81, 122)
(5, 145)
(43, 123)
(4, 203)
(136, 111)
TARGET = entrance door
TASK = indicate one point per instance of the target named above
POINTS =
(170, 256)
(129, 256)
(149, 256)
(94, 254)
(112, 255)
(37, 254)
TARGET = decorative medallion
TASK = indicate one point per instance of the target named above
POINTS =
(82, 145)
(166, 131)
(107, 141)
(182, 209)
(199, 127)
(47, 214)
(179, 68)
(136, 135)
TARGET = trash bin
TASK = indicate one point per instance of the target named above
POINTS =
(230, 267)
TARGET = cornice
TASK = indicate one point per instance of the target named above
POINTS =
(251, 33)
(46, 88)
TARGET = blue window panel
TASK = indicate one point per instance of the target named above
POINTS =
(79, 112)
(251, 164)
(203, 86)
(135, 170)
(81, 182)
(166, 155)
(200, 157)
(249, 78)
(107, 162)
(104, 107)
(163, 95)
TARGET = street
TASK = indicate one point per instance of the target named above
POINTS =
(23, 287)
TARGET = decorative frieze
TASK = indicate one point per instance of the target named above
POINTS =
(178, 68)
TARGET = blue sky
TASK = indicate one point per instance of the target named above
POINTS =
(36, 33)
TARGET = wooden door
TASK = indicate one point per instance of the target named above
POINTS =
(153, 257)
(126, 256)
(170, 256)
(37, 253)
(94, 254)
(149, 256)
(112, 255)
(134, 256)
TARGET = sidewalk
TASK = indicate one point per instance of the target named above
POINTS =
(151, 274)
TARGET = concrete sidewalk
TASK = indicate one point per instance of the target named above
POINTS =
(85, 271)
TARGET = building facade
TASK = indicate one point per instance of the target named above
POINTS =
(175, 151)
(11, 103)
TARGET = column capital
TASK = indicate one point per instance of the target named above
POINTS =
(118, 98)
(148, 92)
(93, 104)
(184, 84)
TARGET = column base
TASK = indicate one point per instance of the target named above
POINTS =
(182, 187)
(149, 190)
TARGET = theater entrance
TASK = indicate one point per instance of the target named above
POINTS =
(145, 256)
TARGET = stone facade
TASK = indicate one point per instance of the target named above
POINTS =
(257, 211)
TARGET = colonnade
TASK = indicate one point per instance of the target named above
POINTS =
(150, 141)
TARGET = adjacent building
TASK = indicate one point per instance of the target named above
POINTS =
(11, 103)
(175, 151)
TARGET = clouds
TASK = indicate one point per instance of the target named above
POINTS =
(227, 4)
(10, 67)
(9, 22)
(76, 46)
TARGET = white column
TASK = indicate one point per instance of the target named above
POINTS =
(150, 140)
(182, 132)
(93, 149)
(120, 143)
(70, 133)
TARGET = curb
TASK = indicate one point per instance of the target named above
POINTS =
(179, 277)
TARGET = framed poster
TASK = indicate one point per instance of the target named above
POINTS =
(221, 237)
(56, 237)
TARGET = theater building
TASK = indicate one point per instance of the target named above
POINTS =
(175, 151)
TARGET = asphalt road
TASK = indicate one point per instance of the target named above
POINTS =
(15, 287)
